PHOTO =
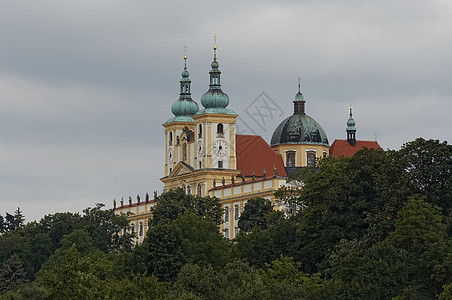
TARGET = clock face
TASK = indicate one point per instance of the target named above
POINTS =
(170, 155)
(200, 149)
(220, 148)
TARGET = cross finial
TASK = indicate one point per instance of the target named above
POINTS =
(299, 80)
(185, 52)
(214, 42)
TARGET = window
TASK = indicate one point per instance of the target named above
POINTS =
(311, 159)
(290, 159)
(226, 213)
(220, 128)
(324, 154)
(133, 228)
(200, 165)
(292, 208)
(183, 187)
(141, 229)
(170, 138)
(200, 131)
(220, 164)
(236, 212)
(226, 234)
(188, 190)
(184, 151)
(199, 190)
(236, 231)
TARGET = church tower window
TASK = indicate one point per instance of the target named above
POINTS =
(184, 152)
(200, 131)
(170, 138)
(220, 128)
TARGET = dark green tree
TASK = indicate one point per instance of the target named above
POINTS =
(12, 274)
(256, 214)
(429, 166)
(176, 202)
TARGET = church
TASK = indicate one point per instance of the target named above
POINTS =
(205, 156)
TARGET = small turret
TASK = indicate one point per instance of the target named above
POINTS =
(351, 130)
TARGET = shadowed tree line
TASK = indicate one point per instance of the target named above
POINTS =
(377, 225)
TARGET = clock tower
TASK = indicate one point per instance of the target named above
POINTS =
(200, 144)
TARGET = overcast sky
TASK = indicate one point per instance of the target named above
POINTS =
(85, 85)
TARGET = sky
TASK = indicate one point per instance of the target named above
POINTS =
(85, 85)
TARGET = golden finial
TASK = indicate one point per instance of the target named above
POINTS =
(376, 136)
(299, 80)
(185, 52)
(214, 42)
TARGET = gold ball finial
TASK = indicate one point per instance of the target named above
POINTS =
(185, 52)
(299, 79)
(214, 42)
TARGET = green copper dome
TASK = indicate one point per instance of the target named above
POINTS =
(351, 122)
(215, 100)
(299, 128)
(184, 108)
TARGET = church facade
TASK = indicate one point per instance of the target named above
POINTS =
(205, 157)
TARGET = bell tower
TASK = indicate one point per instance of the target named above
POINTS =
(179, 130)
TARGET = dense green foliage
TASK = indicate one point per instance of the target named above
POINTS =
(377, 225)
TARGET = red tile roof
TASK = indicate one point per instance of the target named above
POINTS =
(254, 154)
(343, 148)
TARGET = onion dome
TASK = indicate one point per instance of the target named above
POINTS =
(299, 128)
(215, 100)
(184, 108)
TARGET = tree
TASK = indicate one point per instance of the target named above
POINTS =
(420, 231)
(3, 227)
(12, 274)
(255, 214)
(347, 198)
(428, 164)
(189, 238)
(175, 202)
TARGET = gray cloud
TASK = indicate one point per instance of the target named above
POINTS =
(86, 85)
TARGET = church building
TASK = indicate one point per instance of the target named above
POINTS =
(205, 156)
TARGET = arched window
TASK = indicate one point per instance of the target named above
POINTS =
(188, 190)
(141, 229)
(325, 154)
(199, 190)
(226, 213)
(236, 212)
(220, 128)
(226, 233)
(170, 138)
(183, 187)
(184, 151)
(290, 159)
(311, 159)
(200, 131)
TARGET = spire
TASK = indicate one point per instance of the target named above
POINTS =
(215, 72)
(215, 100)
(299, 101)
(184, 108)
(351, 129)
